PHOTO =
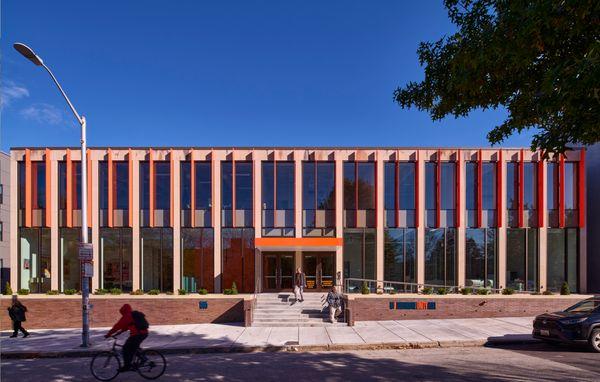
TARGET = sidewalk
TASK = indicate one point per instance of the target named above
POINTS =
(200, 338)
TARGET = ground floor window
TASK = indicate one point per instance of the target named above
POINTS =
(69, 257)
(400, 253)
(481, 257)
(197, 270)
(238, 258)
(360, 255)
(157, 259)
(563, 258)
(115, 258)
(522, 259)
(34, 259)
(440, 256)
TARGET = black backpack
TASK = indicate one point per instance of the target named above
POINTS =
(139, 320)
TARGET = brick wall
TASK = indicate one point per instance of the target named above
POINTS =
(49, 313)
(376, 309)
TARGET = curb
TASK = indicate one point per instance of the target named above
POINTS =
(284, 348)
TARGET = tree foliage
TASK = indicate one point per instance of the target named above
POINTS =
(539, 59)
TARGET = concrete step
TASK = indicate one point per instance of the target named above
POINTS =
(299, 324)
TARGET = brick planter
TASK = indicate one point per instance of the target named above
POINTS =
(51, 312)
(411, 307)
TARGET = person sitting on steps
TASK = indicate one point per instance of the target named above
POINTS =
(334, 300)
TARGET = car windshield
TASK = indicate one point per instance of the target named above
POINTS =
(586, 306)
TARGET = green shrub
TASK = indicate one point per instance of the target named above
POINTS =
(115, 291)
(23, 291)
(565, 290)
(202, 291)
(365, 288)
(466, 291)
(393, 291)
(154, 292)
(53, 292)
(442, 291)
(483, 291)
(8, 290)
(234, 288)
(427, 290)
(547, 293)
(227, 291)
(137, 292)
(100, 291)
(508, 291)
(182, 292)
(70, 291)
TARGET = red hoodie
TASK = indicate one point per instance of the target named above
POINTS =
(126, 323)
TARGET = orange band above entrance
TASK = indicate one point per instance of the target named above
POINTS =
(299, 241)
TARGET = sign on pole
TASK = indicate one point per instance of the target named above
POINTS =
(88, 269)
(86, 252)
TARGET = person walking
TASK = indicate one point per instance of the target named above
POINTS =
(334, 300)
(16, 312)
(137, 325)
(299, 284)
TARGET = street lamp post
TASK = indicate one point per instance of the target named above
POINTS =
(28, 53)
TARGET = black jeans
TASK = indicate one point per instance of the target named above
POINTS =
(16, 327)
(131, 345)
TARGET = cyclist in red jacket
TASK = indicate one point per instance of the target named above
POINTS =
(138, 331)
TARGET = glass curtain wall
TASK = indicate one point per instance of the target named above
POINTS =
(75, 185)
(430, 192)
(360, 257)
(481, 257)
(512, 193)
(197, 270)
(157, 259)
(440, 256)
(400, 256)
(115, 258)
(563, 258)
(318, 198)
(359, 193)
(120, 185)
(278, 198)
(238, 258)
(69, 239)
(34, 259)
(243, 194)
(522, 258)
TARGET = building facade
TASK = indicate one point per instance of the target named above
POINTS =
(4, 220)
(192, 218)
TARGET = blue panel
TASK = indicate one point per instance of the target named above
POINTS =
(406, 305)
(203, 304)
(431, 305)
(392, 305)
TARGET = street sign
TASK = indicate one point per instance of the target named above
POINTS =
(86, 252)
(88, 269)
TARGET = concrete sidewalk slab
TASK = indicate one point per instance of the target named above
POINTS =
(200, 338)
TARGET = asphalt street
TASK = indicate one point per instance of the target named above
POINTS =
(536, 362)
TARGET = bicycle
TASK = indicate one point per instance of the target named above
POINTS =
(150, 364)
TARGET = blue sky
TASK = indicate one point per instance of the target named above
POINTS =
(224, 73)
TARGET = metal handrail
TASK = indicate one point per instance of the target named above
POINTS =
(416, 287)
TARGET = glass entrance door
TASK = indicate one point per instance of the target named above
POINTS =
(278, 271)
(319, 268)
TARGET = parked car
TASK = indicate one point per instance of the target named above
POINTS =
(578, 324)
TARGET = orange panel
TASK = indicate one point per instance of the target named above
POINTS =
(172, 185)
(130, 204)
(110, 187)
(192, 190)
(28, 199)
(299, 242)
(48, 188)
(89, 187)
(69, 195)
(151, 191)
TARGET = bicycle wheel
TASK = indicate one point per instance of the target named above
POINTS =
(151, 364)
(105, 366)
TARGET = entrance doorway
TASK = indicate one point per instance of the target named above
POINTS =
(278, 271)
(319, 268)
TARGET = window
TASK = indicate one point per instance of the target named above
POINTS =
(512, 186)
(440, 256)
(197, 259)
(38, 185)
(488, 186)
(1, 194)
(243, 194)
(359, 185)
(481, 254)
(69, 257)
(571, 186)
(318, 185)
(278, 185)
(120, 185)
(402, 179)
(430, 185)
(522, 259)
(203, 191)
(162, 185)
(34, 259)
(115, 258)
(471, 184)
(360, 253)
(157, 259)
(75, 177)
(238, 258)
(552, 186)
(530, 186)
(400, 254)
(448, 186)
(563, 258)
(1, 231)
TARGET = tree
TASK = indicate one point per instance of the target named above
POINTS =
(539, 59)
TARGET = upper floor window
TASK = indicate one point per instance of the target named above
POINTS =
(75, 181)
(359, 185)
(571, 202)
(471, 185)
(37, 183)
(552, 186)
(243, 185)
(278, 185)
(119, 184)
(399, 185)
(202, 185)
(512, 186)
(488, 186)
(1, 193)
(318, 185)
(448, 186)
(430, 185)
(530, 174)
(162, 185)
